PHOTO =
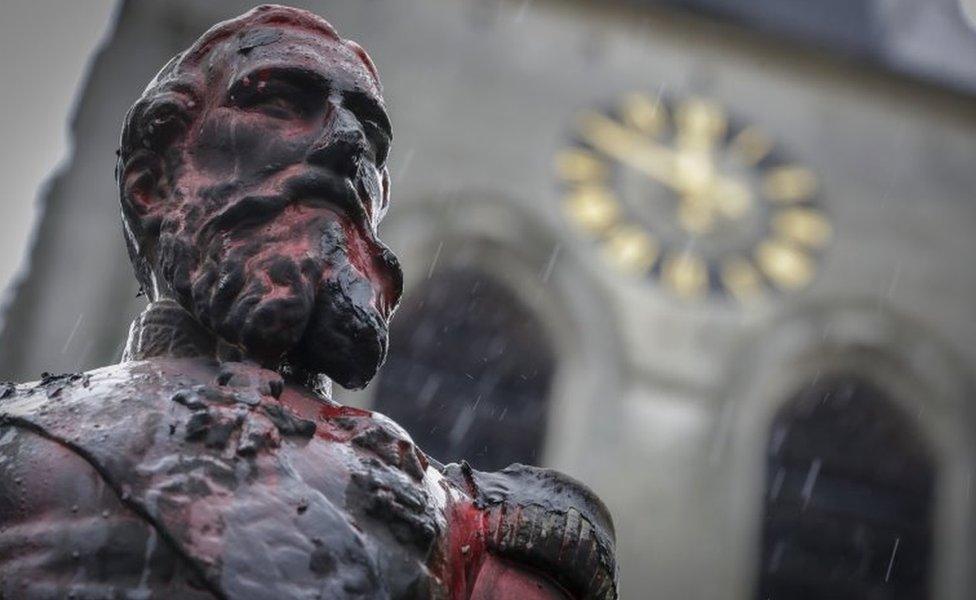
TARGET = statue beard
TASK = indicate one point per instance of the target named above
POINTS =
(300, 290)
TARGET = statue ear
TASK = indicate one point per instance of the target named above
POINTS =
(144, 192)
(153, 125)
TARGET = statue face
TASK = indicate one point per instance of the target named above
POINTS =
(268, 230)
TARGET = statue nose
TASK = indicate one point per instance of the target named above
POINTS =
(342, 144)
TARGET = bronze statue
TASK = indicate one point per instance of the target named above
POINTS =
(211, 463)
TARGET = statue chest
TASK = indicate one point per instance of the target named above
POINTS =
(263, 503)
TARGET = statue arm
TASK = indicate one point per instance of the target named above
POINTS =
(545, 536)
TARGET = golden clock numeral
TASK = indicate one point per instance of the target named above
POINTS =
(741, 279)
(732, 198)
(701, 124)
(789, 184)
(593, 208)
(686, 274)
(696, 215)
(803, 226)
(580, 166)
(643, 114)
(789, 267)
(629, 147)
(631, 249)
(750, 146)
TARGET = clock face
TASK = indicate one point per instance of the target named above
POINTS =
(676, 192)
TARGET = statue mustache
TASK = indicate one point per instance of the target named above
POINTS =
(315, 188)
(311, 187)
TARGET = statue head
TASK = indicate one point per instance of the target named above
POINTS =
(252, 175)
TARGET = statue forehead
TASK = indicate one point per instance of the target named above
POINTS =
(279, 47)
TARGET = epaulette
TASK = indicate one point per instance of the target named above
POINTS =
(546, 520)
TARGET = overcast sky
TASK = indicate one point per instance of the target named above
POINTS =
(45, 47)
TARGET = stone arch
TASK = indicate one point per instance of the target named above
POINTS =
(919, 376)
(469, 371)
(848, 503)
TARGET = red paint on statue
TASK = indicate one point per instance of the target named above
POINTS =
(253, 176)
(465, 545)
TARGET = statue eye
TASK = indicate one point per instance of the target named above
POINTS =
(378, 139)
(165, 121)
(278, 107)
(279, 101)
(375, 122)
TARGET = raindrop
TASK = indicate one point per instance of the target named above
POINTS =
(433, 262)
(547, 272)
(811, 480)
(71, 335)
(891, 561)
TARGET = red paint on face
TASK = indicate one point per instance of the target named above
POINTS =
(365, 257)
(282, 172)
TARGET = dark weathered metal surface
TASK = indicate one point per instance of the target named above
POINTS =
(211, 462)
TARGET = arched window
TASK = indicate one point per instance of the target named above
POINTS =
(849, 490)
(468, 372)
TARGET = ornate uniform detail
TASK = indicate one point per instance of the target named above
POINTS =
(548, 520)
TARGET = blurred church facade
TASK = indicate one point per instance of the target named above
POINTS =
(724, 277)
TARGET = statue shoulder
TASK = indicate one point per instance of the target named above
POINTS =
(546, 520)
(65, 412)
(109, 417)
(71, 400)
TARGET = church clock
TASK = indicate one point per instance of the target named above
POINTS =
(676, 192)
